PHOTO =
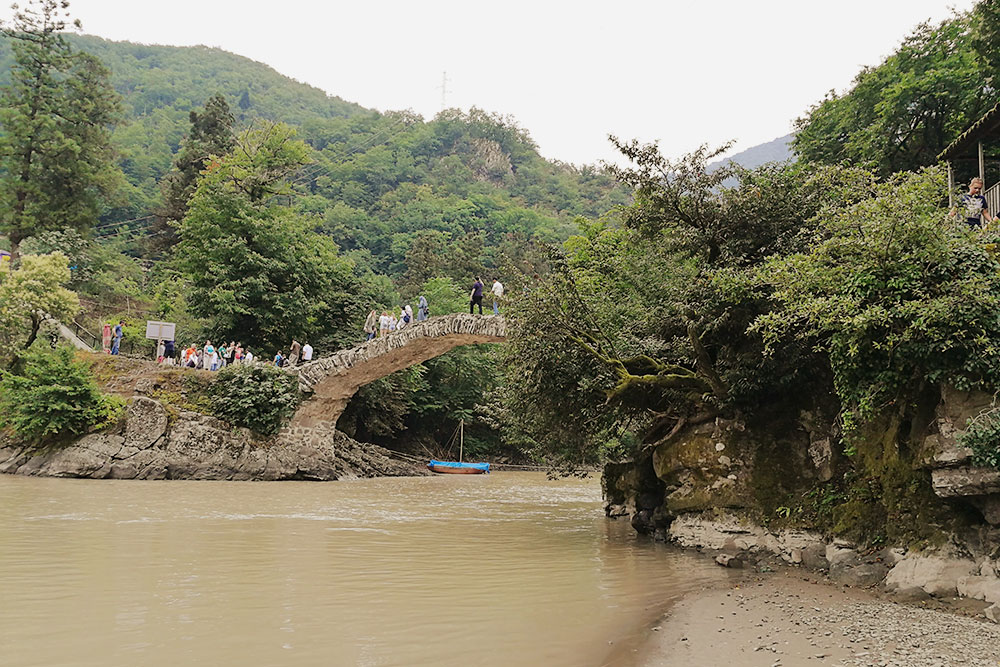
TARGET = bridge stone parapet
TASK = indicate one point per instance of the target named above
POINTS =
(331, 381)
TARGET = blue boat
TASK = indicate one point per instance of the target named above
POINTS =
(457, 467)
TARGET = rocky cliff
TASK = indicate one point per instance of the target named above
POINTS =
(153, 442)
(746, 489)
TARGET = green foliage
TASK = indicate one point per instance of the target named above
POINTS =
(426, 402)
(98, 269)
(257, 270)
(57, 112)
(258, 396)
(986, 37)
(642, 323)
(211, 135)
(896, 294)
(379, 410)
(26, 295)
(901, 114)
(443, 296)
(54, 395)
(982, 436)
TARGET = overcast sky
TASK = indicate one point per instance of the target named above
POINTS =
(680, 72)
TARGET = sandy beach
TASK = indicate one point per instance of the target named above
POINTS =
(782, 620)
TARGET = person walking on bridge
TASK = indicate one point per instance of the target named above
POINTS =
(422, 309)
(307, 352)
(371, 325)
(476, 296)
(293, 353)
(497, 290)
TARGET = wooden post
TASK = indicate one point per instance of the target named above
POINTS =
(951, 186)
(982, 166)
(461, 439)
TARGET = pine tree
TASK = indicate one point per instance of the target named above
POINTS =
(211, 135)
(56, 162)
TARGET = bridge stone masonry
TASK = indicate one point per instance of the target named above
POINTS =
(330, 382)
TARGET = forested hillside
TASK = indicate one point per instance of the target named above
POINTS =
(345, 209)
(379, 180)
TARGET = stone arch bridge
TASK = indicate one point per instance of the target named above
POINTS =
(330, 382)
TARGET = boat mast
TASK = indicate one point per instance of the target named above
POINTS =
(461, 438)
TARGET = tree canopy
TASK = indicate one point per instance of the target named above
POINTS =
(56, 112)
(257, 270)
(900, 114)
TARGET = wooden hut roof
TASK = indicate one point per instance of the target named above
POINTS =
(987, 126)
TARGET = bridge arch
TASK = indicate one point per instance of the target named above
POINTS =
(331, 381)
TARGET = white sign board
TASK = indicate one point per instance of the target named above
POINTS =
(160, 330)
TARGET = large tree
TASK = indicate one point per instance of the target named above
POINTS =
(56, 162)
(211, 135)
(640, 329)
(258, 270)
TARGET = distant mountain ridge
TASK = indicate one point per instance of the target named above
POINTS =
(378, 183)
(776, 150)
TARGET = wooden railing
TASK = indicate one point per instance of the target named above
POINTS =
(993, 199)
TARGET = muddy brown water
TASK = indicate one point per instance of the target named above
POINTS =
(501, 569)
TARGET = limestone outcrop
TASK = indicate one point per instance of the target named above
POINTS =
(953, 476)
(151, 443)
(723, 484)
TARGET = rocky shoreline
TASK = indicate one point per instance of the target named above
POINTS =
(944, 576)
(153, 442)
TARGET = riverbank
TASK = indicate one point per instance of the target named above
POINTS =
(784, 619)
(158, 441)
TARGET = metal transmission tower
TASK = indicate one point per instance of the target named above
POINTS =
(444, 90)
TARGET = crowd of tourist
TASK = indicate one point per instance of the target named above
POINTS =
(211, 358)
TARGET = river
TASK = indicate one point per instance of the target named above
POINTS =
(501, 569)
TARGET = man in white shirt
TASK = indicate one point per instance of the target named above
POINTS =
(307, 352)
(497, 295)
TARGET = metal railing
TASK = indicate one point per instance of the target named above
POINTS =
(127, 348)
(83, 334)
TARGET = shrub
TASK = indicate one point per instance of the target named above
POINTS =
(982, 436)
(55, 395)
(257, 396)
